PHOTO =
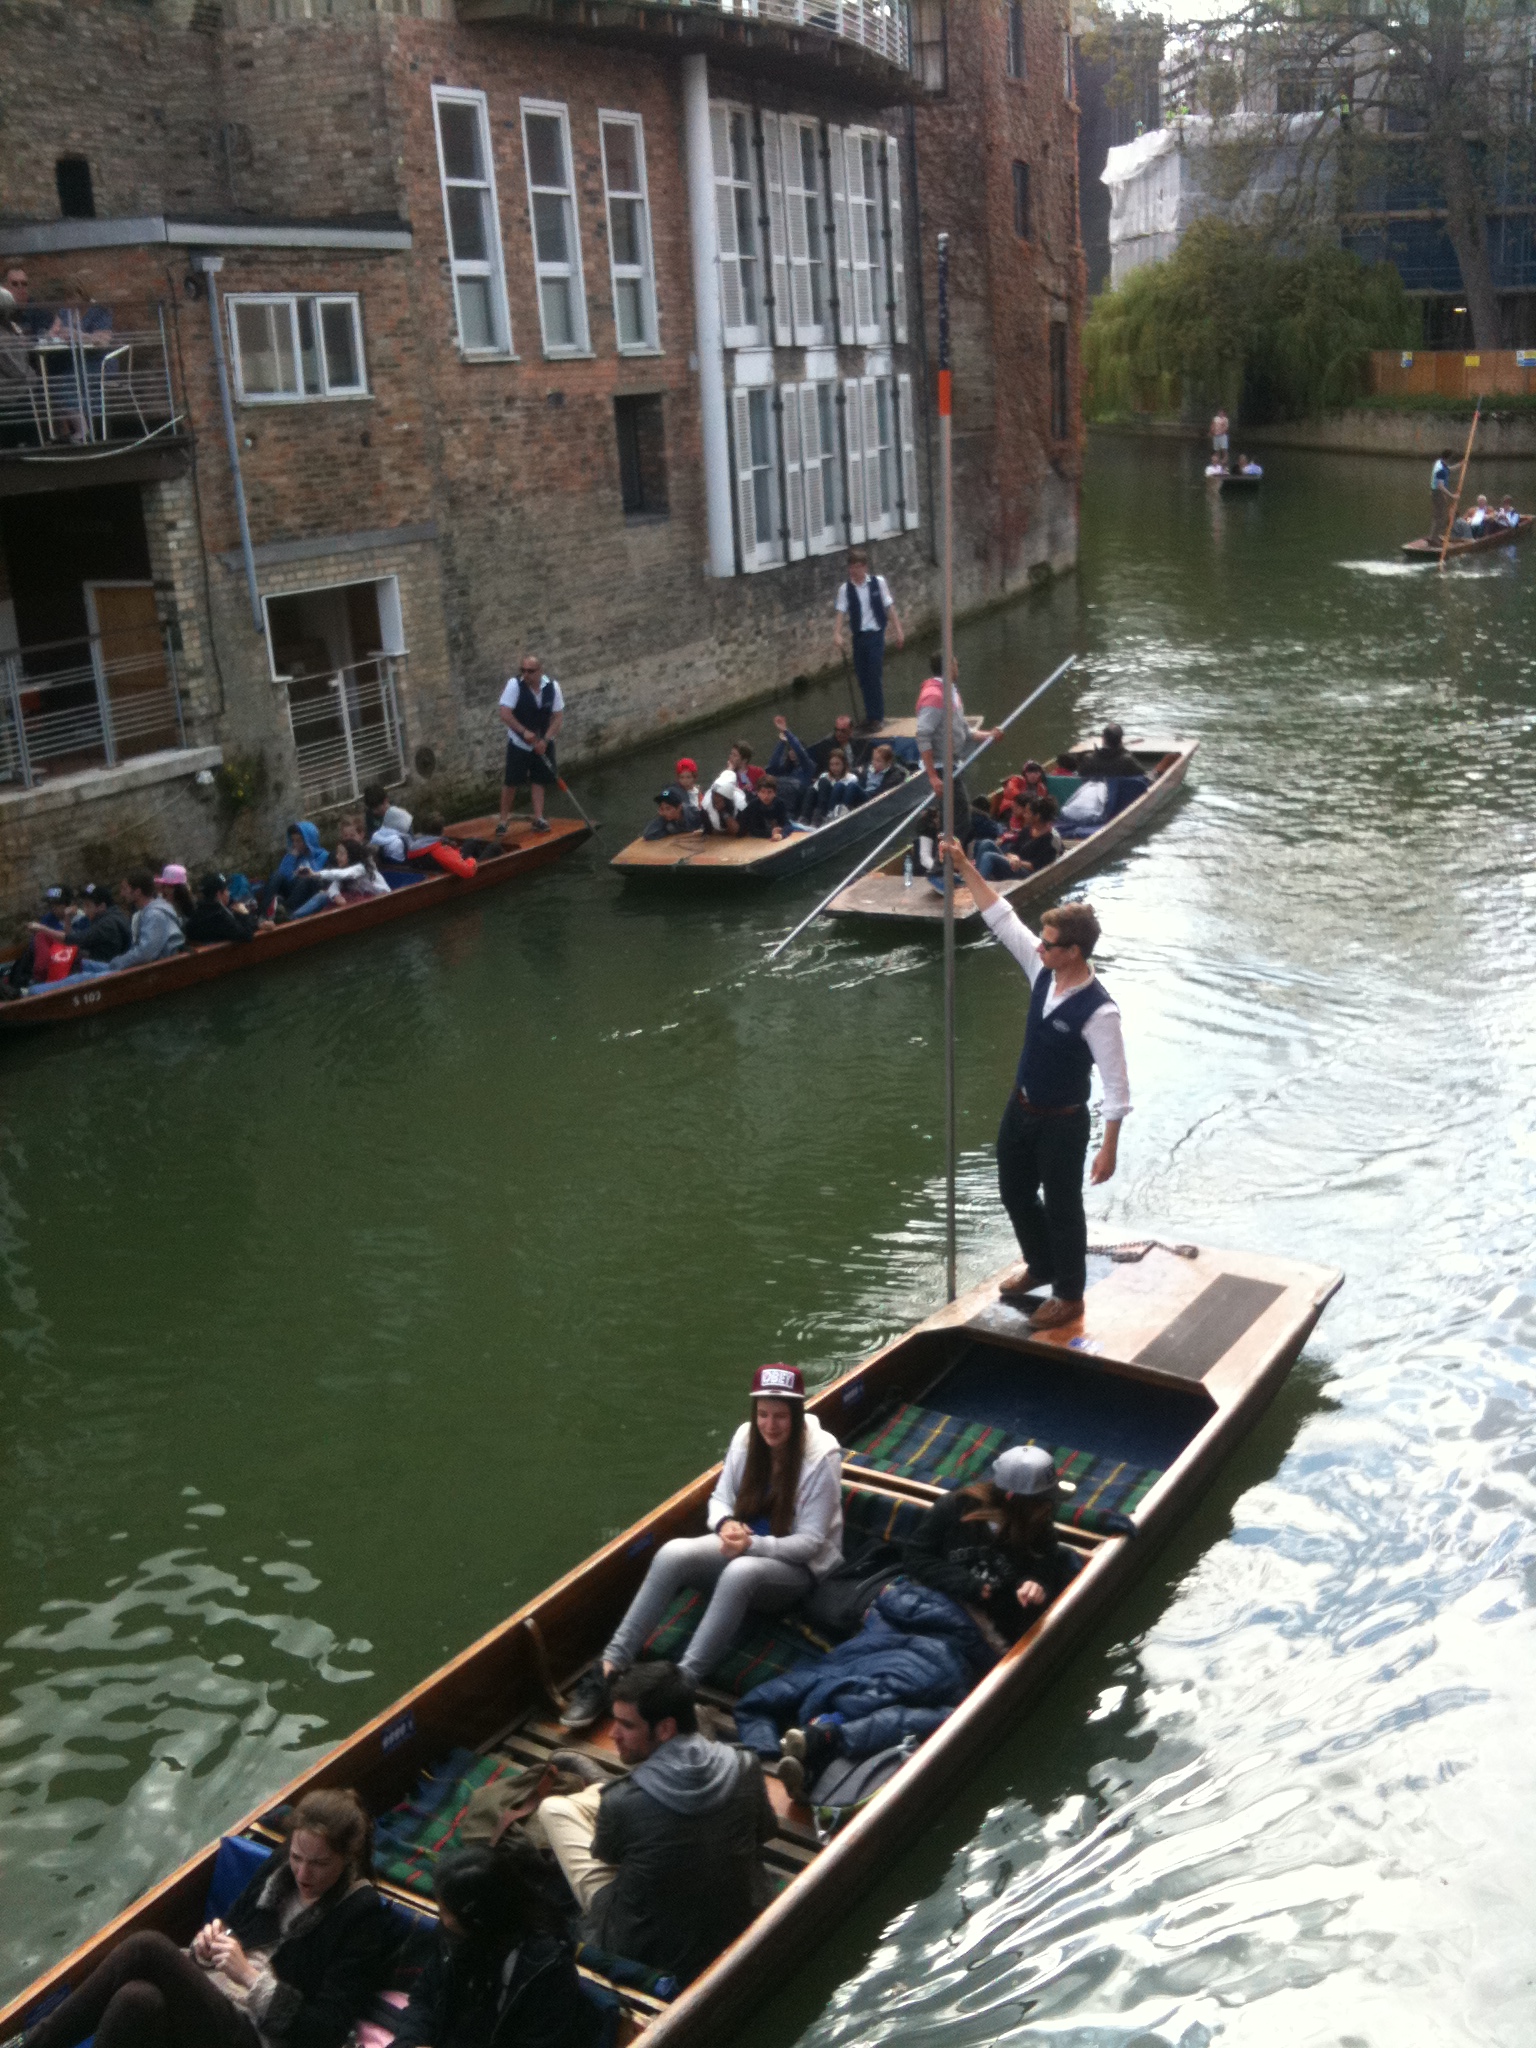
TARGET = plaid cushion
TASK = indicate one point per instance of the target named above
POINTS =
(409, 1838)
(941, 1450)
(767, 1645)
(870, 1517)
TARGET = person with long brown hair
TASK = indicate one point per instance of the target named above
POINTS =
(306, 1945)
(776, 1527)
(993, 1545)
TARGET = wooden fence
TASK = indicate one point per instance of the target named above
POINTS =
(1448, 373)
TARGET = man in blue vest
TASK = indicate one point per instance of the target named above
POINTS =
(865, 602)
(1073, 1027)
(533, 711)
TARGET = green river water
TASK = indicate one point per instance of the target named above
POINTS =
(343, 1307)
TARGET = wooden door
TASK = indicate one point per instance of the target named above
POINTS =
(128, 652)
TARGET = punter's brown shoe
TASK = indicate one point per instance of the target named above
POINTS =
(1020, 1284)
(1055, 1314)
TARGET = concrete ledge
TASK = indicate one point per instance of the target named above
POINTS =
(66, 792)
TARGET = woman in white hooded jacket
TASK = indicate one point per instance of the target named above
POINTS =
(776, 1527)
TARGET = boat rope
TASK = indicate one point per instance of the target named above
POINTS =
(1135, 1248)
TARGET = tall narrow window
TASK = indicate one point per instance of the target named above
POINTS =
(556, 243)
(642, 455)
(930, 44)
(629, 233)
(72, 181)
(736, 225)
(757, 477)
(1023, 219)
(1068, 81)
(1059, 420)
(880, 455)
(807, 243)
(474, 226)
(1015, 24)
(864, 238)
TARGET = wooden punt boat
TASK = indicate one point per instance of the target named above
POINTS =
(1233, 486)
(883, 892)
(1172, 1365)
(523, 850)
(695, 854)
(1485, 543)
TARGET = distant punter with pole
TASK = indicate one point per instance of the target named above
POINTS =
(1042, 1143)
(532, 709)
(865, 601)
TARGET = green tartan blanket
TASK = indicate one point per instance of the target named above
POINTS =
(767, 1645)
(409, 1839)
(943, 1450)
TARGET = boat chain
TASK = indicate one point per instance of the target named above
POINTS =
(1135, 1248)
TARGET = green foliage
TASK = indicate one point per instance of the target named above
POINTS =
(1282, 336)
(241, 781)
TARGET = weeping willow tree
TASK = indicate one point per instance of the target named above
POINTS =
(1227, 317)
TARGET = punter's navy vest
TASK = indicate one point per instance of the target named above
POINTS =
(1056, 1066)
(876, 605)
(534, 712)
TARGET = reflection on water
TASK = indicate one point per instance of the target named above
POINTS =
(449, 1254)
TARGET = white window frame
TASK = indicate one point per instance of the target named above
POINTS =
(772, 160)
(897, 245)
(819, 453)
(644, 272)
(493, 269)
(912, 512)
(843, 261)
(571, 271)
(853, 437)
(864, 236)
(805, 211)
(759, 550)
(739, 332)
(882, 512)
(290, 300)
(794, 483)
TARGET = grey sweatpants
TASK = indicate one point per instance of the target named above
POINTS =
(740, 1584)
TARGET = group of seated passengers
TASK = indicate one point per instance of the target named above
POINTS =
(1485, 518)
(151, 916)
(662, 1863)
(1243, 466)
(797, 787)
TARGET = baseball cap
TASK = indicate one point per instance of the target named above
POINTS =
(212, 883)
(778, 1383)
(58, 894)
(670, 795)
(96, 892)
(1025, 1470)
(175, 876)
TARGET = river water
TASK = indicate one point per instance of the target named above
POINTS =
(345, 1308)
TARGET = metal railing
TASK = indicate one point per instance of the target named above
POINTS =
(83, 379)
(879, 26)
(73, 705)
(346, 730)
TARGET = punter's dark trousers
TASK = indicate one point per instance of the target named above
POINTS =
(869, 667)
(1040, 1178)
(147, 1994)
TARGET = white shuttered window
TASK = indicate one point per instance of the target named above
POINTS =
(844, 268)
(773, 179)
(823, 466)
(853, 428)
(736, 227)
(757, 477)
(898, 247)
(912, 514)
(807, 237)
(864, 235)
(794, 485)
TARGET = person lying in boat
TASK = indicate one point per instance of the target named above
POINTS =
(791, 765)
(354, 879)
(993, 1545)
(775, 1523)
(765, 814)
(666, 1863)
(834, 791)
(883, 772)
(675, 815)
(1246, 466)
(916, 1655)
(215, 920)
(502, 1971)
(1032, 843)
(724, 802)
(1109, 760)
(303, 1951)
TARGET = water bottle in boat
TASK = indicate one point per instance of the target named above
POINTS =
(906, 872)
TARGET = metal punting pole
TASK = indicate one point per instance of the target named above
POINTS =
(946, 452)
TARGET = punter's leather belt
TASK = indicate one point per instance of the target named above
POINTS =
(1034, 1109)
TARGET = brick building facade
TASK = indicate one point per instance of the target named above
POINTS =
(600, 329)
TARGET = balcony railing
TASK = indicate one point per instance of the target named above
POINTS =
(85, 379)
(879, 26)
(877, 29)
(346, 730)
(72, 705)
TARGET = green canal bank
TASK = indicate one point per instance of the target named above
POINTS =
(345, 1308)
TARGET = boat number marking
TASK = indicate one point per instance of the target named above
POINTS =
(401, 1729)
(640, 1545)
(853, 1395)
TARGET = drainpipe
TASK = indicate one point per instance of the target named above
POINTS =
(210, 266)
(708, 331)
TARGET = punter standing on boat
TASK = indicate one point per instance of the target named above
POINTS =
(1042, 1143)
(1221, 439)
(1442, 496)
(865, 601)
(532, 709)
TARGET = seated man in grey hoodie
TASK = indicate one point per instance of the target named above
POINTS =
(155, 927)
(666, 1863)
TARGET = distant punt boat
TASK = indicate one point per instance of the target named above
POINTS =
(1429, 550)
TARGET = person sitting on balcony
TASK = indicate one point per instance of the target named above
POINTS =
(215, 919)
(19, 389)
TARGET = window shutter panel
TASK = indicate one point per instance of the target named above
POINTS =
(732, 309)
(898, 239)
(865, 327)
(741, 427)
(773, 171)
(794, 489)
(796, 201)
(853, 429)
(810, 455)
(874, 500)
(840, 235)
(912, 514)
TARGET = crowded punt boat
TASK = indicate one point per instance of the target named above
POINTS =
(99, 945)
(632, 1805)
